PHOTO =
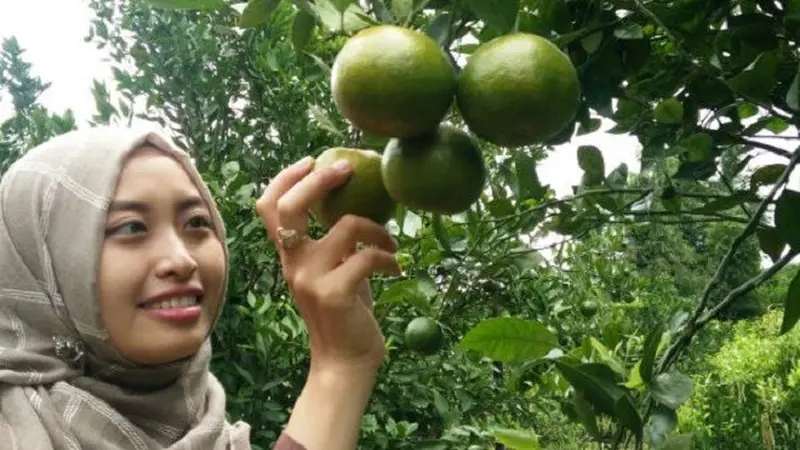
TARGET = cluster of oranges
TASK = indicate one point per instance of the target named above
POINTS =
(398, 83)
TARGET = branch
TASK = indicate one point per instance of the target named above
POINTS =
(731, 190)
(684, 213)
(672, 222)
(692, 325)
(763, 146)
(746, 287)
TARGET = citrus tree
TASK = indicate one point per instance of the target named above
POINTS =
(249, 87)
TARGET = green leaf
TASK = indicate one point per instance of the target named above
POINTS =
(499, 14)
(793, 94)
(725, 203)
(528, 185)
(787, 218)
(757, 80)
(257, 12)
(402, 9)
(599, 388)
(438, 29)
(766, 175)
(669, 111)
(186, 4)
(594, 125)
(607, 356)
(230, 170)
(698, 147)
(661, 423)
(649, 351)
(353, 20)
(416, 291)
(440, 232)
(635, 377)
(769, 241)
(791, 312)
(510, 339)
(592, 42)
(746, 110)
(302, 29)
(590, 159)
(618, 177)
(585, 413)
(671, 389)
(777, 125)
(628, 415)
(516, 439)
(324, 122)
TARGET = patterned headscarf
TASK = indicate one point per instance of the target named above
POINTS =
(62, 384)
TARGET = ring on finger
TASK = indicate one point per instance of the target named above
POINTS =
(361, 246)
(289, 238)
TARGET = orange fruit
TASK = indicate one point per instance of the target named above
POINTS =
(424, 335)
(441, 171)
(363, 194)
(392, 81)
(518, 89)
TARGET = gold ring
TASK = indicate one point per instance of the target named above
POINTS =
(289, 238)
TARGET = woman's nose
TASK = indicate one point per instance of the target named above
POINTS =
(177, 261)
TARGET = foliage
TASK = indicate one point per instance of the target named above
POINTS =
(749, 397)
(30, 123)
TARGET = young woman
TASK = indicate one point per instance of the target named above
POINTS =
(113, 272)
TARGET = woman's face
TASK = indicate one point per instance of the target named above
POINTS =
(162, 267)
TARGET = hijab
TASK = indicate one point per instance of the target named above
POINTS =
(62, 384)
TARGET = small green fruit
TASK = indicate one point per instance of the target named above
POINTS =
(424, 336)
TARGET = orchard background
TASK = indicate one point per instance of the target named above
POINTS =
(646, 309)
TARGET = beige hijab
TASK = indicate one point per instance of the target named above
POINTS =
(62, 385)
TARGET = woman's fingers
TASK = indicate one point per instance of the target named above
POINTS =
(293, 206)
(346, 235)
(362, 265)
(266, 206)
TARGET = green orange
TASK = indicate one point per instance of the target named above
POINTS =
(518, 89)
(392, 81)
(363, 194)
(441, 171)
(424, 335)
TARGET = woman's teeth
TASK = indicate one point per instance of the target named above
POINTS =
(171, 303)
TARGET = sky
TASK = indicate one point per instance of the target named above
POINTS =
(52, 33)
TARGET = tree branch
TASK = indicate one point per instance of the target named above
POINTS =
(692, 325)
(746, 287)
(762, 145)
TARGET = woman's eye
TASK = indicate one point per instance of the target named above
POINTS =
(200, 222)
(130, 228)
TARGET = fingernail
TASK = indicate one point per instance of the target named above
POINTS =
(342, 165)
(303, 162)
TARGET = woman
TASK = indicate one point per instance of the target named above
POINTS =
(113, 272)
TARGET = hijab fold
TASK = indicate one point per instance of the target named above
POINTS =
(62, 384)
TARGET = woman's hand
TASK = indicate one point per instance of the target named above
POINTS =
(329, 277)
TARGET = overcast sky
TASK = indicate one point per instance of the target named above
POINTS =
(52, 33)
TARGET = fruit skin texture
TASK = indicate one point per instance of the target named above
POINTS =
(392, 81)
(424, 336)
(518, 89)
(363, 194)
(441, 171)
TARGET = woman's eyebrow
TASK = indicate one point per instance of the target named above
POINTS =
(142, 207)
